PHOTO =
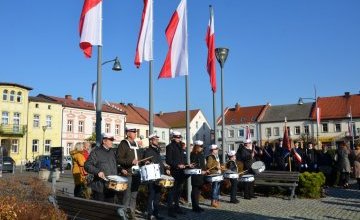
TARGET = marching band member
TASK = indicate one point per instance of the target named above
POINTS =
(213, 165)
(175, 159)
(102, 163)
(246, 155)
(127, 156)
(154, 190)
(231, 165)
(197, 158)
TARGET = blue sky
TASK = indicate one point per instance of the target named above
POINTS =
(279, 49)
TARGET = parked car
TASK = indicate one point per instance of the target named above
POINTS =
(8, 164)
(67, 163)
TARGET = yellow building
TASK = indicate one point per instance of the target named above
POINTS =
(14, 112)
(44, 126)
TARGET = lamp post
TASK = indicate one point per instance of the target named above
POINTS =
(351, 129)
(300, 102)
(221, 56)
(116, 67)
(44, 129)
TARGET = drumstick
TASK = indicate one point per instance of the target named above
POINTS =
(211, 168)
(245, 171)
(145, 159)
(187, 165)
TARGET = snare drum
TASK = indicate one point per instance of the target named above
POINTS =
(117, 183)
(166, 181)
(231, 175)
(192, 171)
(247, 178)
(258, 167)
(214, 178)
(135, 169)
(150, 172)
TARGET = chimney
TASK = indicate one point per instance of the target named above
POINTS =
(80, 99)
(237, 106)
(161, 113)
(68, 97)
(347, 94)
(122, 103)
(130, 104)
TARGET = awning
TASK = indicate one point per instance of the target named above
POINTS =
(326, 139)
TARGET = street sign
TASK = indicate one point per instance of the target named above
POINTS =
(56, 158)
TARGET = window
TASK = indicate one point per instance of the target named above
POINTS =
(69, 127)
(297, 130)
(197, 125)
(18, 97)
(47, 146)
(289, 131)
(35, 145)
(68, 148)
(14, 146)
(48, 121)
(107, 128)
(231, 147)
(5, 118)
(117, 129)
(252, 132)
(138, 133)
(49, 107)
(306, 129)
(12, 96)
(241, 133)
(36, 121)
(325, 127)
(94, 127)
(36, 105)
(5, 95)
(219, 133)
(81, 127)
(276, 131)
(337, 127)
(268, 132)
(163, 135)
(231, 133)
(16, 121)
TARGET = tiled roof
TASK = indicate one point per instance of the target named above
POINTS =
(81, 104)
(177, 119)
(337, 107)
(15, 84)
(145, 114)
(292, 112)
(132, 116)
(41, 99)
(241, 115)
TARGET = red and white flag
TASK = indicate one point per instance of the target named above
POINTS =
(210, 42)
(144, 49)
(248, 134)
(318, 115)
(90, 26)
(297, 156)
(176, 62)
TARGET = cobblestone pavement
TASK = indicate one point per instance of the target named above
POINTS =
(338, 204)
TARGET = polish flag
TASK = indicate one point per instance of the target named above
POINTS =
(176, 62)
(144, 49)
(90, 26)
(297, 156)
(318, 115)
(210, 42)
(248, 134)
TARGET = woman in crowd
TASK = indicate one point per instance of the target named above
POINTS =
(78, 171)
(357, 164)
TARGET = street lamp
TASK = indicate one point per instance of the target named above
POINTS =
(301, 101)
(44, 129)
(221, 56)
(116, 67)
(351, 128)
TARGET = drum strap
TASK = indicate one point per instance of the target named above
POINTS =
(134, 148)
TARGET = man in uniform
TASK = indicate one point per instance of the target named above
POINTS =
(102, 163)
(127, 156)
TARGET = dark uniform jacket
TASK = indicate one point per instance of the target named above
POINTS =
(199, 161)
(154, 153)
(246, 157)
(125, 155)
(231, 165)
(101, 160)
(174, 157)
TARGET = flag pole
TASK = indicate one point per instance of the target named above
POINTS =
(187, 135)
(151, 96)
(214, 117)
(98, 97)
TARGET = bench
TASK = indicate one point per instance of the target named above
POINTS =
(278, 178)
(85, 209)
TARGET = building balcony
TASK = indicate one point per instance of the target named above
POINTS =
(12, 130)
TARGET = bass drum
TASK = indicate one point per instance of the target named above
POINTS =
(258, 167)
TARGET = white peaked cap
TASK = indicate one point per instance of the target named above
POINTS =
(213, 147)
(231, 153)
(199, 142)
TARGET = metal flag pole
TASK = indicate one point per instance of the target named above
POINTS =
(151, 95)
(98, 97)
(188, 136)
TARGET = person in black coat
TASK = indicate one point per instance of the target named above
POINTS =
(246, 155)
(175, 159)
(310, 158)
(231, 165)
(154, 190)
(197, 158)
(102, 163)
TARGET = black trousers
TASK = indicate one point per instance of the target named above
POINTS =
(106, 196)
(195, 194)
(234, 184)
(174, 193)
(344, 178)
(130, 194)
(248, 190)
(78, 191)
(154, 198)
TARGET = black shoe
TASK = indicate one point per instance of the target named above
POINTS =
(171, 213)
(196, 210)
(235, 201)
(254, 197)
(158, 217)
(201, 209)
(151, 217)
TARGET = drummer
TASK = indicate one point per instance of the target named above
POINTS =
(101, 163)
(213, 165)
(153, 155)
(197, 158)
(231, 166)
(246, 155)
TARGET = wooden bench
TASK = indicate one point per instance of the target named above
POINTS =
(84, 209)
(279, 178)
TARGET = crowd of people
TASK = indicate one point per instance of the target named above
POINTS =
(92, 170)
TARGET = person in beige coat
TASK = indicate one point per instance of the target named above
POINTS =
(357, 164)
